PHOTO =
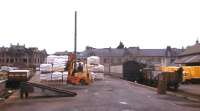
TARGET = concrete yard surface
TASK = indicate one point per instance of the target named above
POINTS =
(111, 94)
(190, 88)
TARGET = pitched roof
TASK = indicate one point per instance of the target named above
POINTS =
(128, 51)
(153, 52)
(108, 52)
(195, 49)
(188, 59)
(135, 51)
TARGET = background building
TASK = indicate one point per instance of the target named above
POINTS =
(116, 56)
(191, 56)
(111, 57)
(20, 56)
(61, 53)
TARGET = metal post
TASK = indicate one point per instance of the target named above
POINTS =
(75, 34)
(75, 38)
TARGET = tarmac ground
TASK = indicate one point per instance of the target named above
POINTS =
(111, 94)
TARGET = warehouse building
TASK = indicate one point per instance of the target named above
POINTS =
(118, 56)
(191, 56)
(20, 56)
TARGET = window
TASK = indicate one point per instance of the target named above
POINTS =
(172, 60)
(119, 60)
(92, 54)
(104, 60)
(25, 60)
(30, 60)
(11, 60)
(16, 60)
(112, 60)
(7, 60)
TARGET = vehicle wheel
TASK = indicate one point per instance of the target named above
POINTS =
(176, 87)
(82, 82)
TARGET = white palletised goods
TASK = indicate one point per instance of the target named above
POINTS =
(45, 68)
(58, 67)
(58, 62)
(94, 66)
(52, 59)
(65, 74)
(45, 77)
(99, 76)
(93, 60)
(54, 69)
(54, 76)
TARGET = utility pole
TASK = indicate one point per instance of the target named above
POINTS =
(75, 35)
(75, 41)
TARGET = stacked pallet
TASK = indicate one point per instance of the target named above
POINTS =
(54, 70)
(96, 69)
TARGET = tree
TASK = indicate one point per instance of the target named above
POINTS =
(120, 46)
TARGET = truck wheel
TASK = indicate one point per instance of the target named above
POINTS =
(176, 87)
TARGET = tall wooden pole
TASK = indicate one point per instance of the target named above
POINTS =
(75, 34)
(75, 41)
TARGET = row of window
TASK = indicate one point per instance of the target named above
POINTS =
(120, 60)
(113, 60)
(12, 60)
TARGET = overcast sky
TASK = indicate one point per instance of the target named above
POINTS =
(49, 24)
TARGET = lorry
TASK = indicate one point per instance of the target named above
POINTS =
(191, 74)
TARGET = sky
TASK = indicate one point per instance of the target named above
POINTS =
(149, 24)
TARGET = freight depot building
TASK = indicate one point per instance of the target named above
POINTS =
(114, 56)
(20, 56)
(191, 55)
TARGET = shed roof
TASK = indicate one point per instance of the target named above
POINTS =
(188, 59)
(153, 52)
(195, 49)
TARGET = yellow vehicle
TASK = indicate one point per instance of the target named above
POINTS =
(169, 68)
(191, 73)
(186, 73)
(78, 73)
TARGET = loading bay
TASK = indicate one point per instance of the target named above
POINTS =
(110, 94)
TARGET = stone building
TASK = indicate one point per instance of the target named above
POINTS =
(150, 57)
(61, 53)
(20, 56)
(191, 56)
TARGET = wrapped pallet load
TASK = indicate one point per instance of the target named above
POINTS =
(45, 77)
(65, 74)
(56, 59)
(50, 59)
(45, 68)
(96, 69)
(93, 60)
(57, 76)
(99, 71)
(53, 71)
(58, 67)
(60, 61)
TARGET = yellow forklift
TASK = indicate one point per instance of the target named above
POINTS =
(78, 73)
